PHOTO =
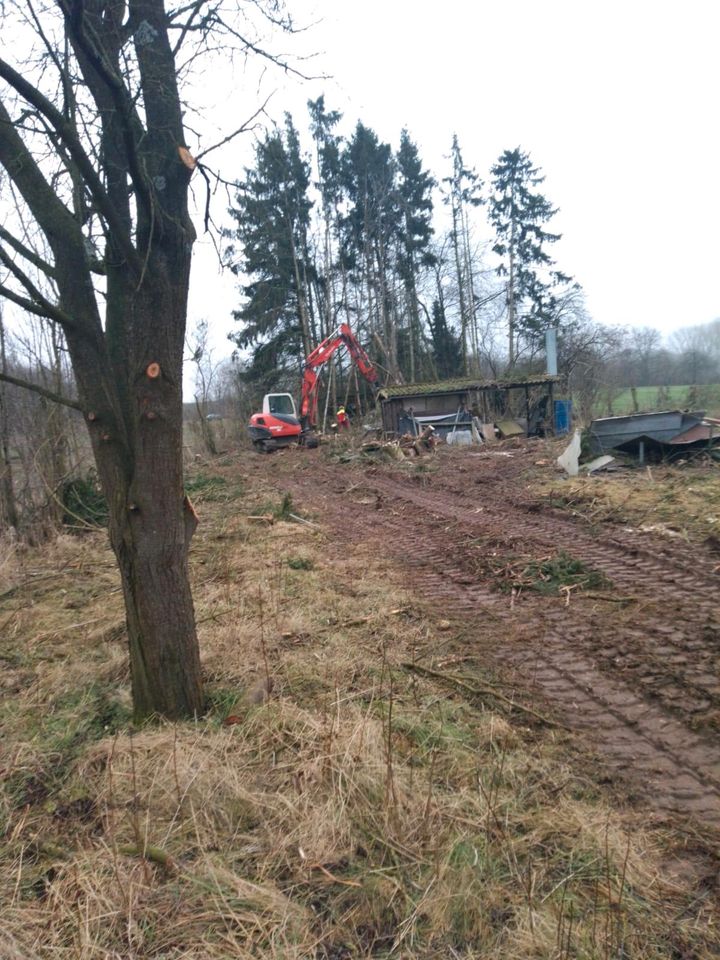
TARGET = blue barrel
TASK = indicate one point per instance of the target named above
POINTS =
(563, 412)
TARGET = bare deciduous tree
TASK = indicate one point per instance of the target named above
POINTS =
(93, 142)
(8, 507)
(201, 356)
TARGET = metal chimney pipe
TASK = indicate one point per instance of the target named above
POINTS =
(551, 352)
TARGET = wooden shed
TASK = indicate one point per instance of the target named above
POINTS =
(455, 403)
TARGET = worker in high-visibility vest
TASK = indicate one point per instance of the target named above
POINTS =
(343, 421)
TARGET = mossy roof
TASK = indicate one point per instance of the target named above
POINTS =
(460, 385)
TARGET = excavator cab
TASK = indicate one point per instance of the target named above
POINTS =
(277, 425)
(279, 403)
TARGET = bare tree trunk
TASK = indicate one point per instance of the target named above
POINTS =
(387, 318)
(137, 442)
(308, 287)
(302, 303)
(57, 430)
(461, 291)
(511, 303)
(415, 325)
(411, 341)
(165, 667)
(205, 428)
(472, 309)
(8, 506)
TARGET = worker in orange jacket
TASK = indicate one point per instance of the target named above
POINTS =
(343, 421)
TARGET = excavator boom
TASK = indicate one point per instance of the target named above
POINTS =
(320, 355)
(277, 425)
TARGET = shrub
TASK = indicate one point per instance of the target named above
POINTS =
(83, 502)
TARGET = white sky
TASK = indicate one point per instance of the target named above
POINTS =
(615, 101)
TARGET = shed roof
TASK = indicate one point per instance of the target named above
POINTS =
(461, 384)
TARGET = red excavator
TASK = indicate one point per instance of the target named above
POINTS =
(279, 425)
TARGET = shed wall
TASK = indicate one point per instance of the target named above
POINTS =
(422, 405)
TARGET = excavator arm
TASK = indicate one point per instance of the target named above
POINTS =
(319, 356)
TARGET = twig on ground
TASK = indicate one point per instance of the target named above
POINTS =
(481, 691)
(331, 876)
(309, 523)
(604, 596)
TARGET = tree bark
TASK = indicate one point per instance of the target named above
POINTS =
(512, 312)
(8, 506)
(164, 661)
(129, 368)
(461, 290)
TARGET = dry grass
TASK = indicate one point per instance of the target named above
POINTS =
(675, 502)
(355, 811)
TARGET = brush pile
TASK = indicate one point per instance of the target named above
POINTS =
(405, 446)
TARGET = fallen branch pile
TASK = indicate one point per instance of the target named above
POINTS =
(405, 446)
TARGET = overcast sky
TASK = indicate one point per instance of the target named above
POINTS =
(615, 101)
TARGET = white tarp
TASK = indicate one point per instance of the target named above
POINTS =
(569, 459)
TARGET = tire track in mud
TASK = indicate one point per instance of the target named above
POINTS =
(693, 563)
(626, 565)
(640, 739)
(679, 662)
(552, 650)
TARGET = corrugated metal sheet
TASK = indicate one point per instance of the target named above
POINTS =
(662, 433)
(611, 433)
(701, 431)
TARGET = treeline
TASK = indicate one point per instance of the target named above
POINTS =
(601, 362)
(597, 364)
(438, 276)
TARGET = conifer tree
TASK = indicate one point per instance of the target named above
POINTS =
(518, 213)
(414, 192)
(272, 214)
(447, 351)
(370, 231)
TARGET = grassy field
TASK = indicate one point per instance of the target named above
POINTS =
(331, 804)
(705, 397)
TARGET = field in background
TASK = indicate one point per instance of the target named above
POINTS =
(705, 397)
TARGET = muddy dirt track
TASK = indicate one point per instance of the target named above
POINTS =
(634, 668)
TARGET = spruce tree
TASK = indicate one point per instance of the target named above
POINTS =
(272, 215)
(414, 191)
(518, 213)
(370, 231)
(447, 351)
